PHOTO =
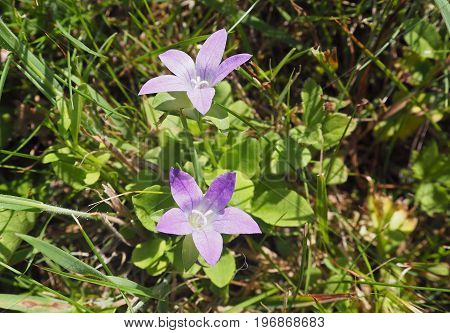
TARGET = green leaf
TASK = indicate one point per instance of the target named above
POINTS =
(425, 161)
(189, 252)
(337, 174)
(12, 222)
(431, 166)
(65, 120)
(278, 206)
(50, 157)
(71, 171)
(146, 254)
(432, 198)
(440, 269)
(423, 38)
(223, 93)
(308, 135)
(244, 156)
(325, 135)
(91, 178)
(334, 127)
(289, 154)
(219, 117)
(70, 174)
(173, 101)
(223, 272)
(158, 267)
(150, 205)
(241, 109)
(33, 304)
(313, 111)
(268, 148)
(61, 257)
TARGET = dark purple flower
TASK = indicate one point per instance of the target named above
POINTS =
(205, 216)
(196, 79)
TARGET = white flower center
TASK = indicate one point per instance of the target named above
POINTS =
(198, 83)
(198, 219)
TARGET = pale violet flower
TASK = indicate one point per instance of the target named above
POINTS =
(205, 216)
(196, 79)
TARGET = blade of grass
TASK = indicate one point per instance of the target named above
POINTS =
(444, 7)
(40, 286)
(99, 257)
(390, 285)
(243, 16)
(34, 67)
(33, 304)
(252, 300)
(5, 74)
(114, 281)
(23, 143)
(76, 266)
(322, 210)
(61, 257)
(77, 43)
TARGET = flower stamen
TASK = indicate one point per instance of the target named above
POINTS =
(197, 219)
(198, 83)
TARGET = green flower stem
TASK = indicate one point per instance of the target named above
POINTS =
(190, 142)
(206, 143)
(18, 203)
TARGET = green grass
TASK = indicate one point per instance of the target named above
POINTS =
(337, 128)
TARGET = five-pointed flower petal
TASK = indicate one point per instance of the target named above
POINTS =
(196, 79)
(205, 216)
